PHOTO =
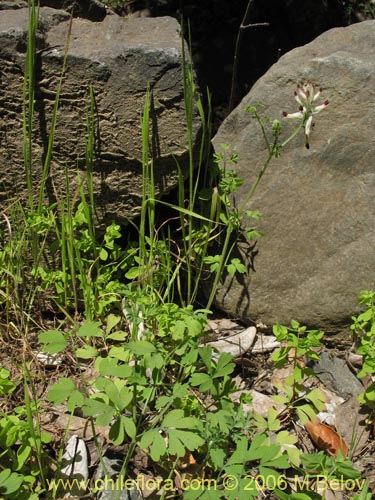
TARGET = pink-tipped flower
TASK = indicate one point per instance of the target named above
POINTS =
(306, 96)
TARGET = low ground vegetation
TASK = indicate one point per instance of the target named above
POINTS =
(109, 333)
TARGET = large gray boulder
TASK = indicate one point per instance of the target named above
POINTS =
(317, 204)
(119, 58)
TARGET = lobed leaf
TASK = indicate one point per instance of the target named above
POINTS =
(90, 329)
(53, 341)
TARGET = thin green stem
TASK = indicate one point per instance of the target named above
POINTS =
(51, 137)
(33, 423)
(273, 150)
(294, 134)
(29, 98)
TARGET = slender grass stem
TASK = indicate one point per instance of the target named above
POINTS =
(51, 138)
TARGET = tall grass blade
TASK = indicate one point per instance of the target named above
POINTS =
(51, 138)
(28, 98)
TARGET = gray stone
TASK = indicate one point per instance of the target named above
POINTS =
(317, 204)
(115, 485)
(89, 9)
(12, 4)
(119, 58)
(334, 373)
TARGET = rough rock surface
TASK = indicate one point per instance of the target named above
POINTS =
(119, 58)
(317, 204)
(214, 27)
(89, 9)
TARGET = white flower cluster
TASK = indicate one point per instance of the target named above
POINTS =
(306, 97)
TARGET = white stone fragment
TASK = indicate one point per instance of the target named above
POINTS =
(237, 344)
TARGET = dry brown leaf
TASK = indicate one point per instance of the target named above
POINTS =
(325, 438)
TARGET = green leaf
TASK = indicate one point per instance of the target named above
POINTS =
(273, 422)
(189, 359)
(102, 412)
(317, 462)
(224, 366)
(258, 447)
(53, 341)
(141, 347)
(117, 432)
(222, 419)
(111, 367)
(23, 454)
(194, 327)
(6, 386)
(318, 398)
(284, 438)
(345, 469)
(217, 456)
(163, 401)
(120, 396)
(240, 454)
(90, 329)
(172, 418)
(126, 397)
(158, 448)
(236, 266)
(119, 335)
(175, 419)
(280, 399)
(112, 321)
(178, 330)
(272, 460)
(120, 353)
(147, 438)
(306, 414)
(10, 482)
(60, 391)
(133, 273)
(294, 455)
(206, 354)
(253, 214)
(75, 400)
(203, 380)
(129, 427)
(213, 262)
(155, 441)
(153, 361)
(280, 332)
(251, 234)
(86, 352)
(179, 441)
(180, 390)
(103, 254)
(294, 324)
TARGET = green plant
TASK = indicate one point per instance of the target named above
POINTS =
(116, 4)
(364, 330)
(52, 252)
(155, 384)
(299, 344)
(169, 396)
(144, 389)
(20, 468)
(321, 474)
(362, 7)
